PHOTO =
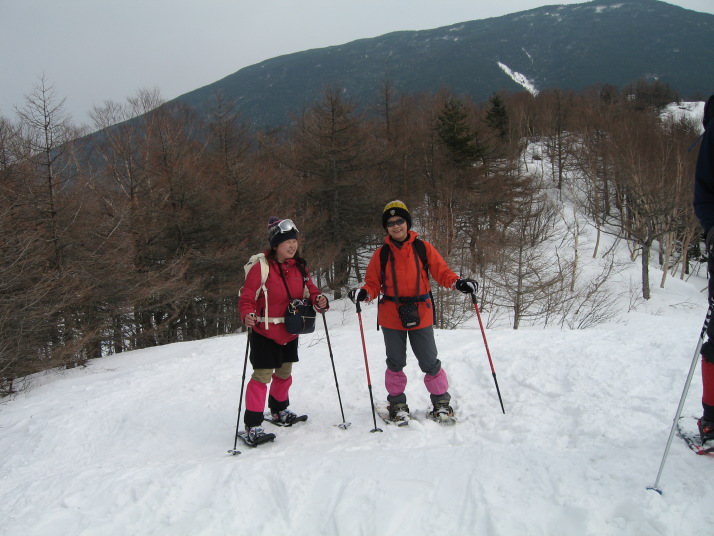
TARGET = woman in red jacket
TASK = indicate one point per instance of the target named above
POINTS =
(405, 310)
(272, 349)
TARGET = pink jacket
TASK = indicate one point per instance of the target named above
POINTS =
(278, 299)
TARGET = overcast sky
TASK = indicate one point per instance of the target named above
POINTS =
(99, 50)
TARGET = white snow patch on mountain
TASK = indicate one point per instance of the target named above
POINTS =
(600, 9)
(684, 110)
(519, 79)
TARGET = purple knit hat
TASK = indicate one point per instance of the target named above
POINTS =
(277, 235)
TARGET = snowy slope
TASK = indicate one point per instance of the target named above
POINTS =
(136, 444)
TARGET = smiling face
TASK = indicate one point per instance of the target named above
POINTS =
(286, 250)
(398, 228)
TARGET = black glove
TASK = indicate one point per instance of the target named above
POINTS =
(467, 286)
(358, 294)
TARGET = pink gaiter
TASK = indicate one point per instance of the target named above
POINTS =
(255, 396)
(707, 382)
(279, 388)
(437, 385)
(395, 382)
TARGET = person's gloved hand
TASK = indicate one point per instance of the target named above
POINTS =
(467, 286)
(358, 294)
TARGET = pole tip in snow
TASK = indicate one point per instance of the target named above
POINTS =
(375, 430)
(655, 489)
(344, 425)
(234, 452)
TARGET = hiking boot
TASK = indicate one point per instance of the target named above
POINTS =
(706, 430)
(442, 410)
(284, 416)
(255, 433)
(398, 412)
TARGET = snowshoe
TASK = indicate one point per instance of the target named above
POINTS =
(397, 414)
(442, 413)
(284, 418)
(706, 430)
(693, 436)
(255, 436)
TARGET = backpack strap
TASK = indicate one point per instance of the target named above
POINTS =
(303, 272)
(271, 320)
(264, 271)
(418, 246)
(383, 258)
(259, 258)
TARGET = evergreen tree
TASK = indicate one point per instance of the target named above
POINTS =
(459, 139)
(497, 117)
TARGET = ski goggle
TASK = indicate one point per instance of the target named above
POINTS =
(286, 226)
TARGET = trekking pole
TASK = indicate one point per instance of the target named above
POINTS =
(344, 424)
(240, 401)
(488, 352)
(366, 367)
(692, 367)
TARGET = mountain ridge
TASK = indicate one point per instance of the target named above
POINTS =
(559, 46)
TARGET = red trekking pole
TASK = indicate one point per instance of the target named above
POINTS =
(488, 353)
(366, 367)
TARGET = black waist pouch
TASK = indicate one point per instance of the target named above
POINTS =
(409, 315)
(300, 317)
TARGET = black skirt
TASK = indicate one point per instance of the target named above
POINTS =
(265, 353)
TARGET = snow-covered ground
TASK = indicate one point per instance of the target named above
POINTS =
(136, 444)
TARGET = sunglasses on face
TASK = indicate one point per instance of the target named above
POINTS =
(400, 221)
(287, 225)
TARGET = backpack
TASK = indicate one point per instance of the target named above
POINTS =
(420, 248)
(264, 269)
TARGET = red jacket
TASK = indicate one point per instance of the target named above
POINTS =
(277, 297)
(405, 268)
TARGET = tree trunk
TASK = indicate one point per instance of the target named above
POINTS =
(646, 270)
